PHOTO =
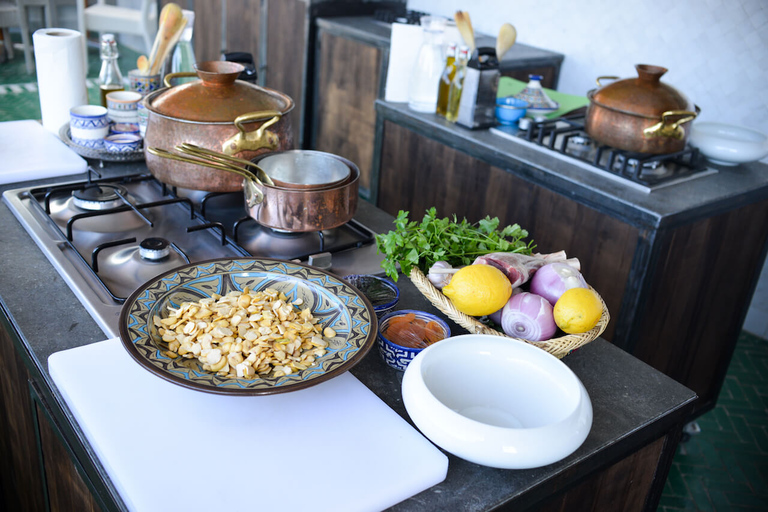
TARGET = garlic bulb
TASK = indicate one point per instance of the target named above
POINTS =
(440, 274)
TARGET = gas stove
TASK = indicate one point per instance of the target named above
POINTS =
(107, 237)
(566, 138)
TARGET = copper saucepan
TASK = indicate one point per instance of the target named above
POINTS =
(292, 209)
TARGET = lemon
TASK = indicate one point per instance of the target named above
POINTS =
(577, 310)
(478, 290)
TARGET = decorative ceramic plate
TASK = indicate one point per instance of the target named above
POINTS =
(337, 305)
(101, 154)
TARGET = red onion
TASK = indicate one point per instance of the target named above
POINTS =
(551, 281)
(528, 316)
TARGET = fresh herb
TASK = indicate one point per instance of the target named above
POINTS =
(414, 244)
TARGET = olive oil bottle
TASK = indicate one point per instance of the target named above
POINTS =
(110, 78)
(446, 78)
(457, 84)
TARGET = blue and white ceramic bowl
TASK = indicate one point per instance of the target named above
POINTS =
(122, 106)
(397, 356)
(122, 143)
(88, 125)
(125, 128)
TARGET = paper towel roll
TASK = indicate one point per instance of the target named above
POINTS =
(61, 71)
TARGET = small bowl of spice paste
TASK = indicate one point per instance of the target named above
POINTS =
(382, 292)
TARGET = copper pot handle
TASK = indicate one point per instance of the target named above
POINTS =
(668, 128)
(257, 139)
(180, 74)
(605, 78)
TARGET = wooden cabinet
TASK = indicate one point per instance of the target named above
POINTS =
(37, 472)
(21, 487)
(677, 293)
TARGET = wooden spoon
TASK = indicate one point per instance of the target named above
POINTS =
(507, 38)
(143, 64)
(464, 24)
(172, 22)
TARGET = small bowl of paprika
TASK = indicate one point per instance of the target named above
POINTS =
(406, 332)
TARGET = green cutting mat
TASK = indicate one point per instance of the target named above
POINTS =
(568, 102)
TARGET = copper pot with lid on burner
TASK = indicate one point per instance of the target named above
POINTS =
(642, 115)
(219, 113)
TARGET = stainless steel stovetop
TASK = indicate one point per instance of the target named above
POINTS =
(107, 237)
(566, 139)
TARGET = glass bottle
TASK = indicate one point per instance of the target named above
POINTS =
(457, 84)
(110, 78)
(183, 58)
(449, 71)
(422, 91)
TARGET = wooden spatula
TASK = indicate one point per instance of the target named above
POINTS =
(172, 22)
(507, 38)
(143, 64)
(464, 24)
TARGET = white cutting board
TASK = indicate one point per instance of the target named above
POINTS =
(334, 446)
(30, 152)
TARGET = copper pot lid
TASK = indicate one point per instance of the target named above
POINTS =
(645, 96)
(217, 96)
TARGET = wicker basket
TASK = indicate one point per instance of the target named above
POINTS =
(558, 347)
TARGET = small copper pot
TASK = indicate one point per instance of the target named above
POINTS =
(642, 114)
(219, 113)
(303, 209)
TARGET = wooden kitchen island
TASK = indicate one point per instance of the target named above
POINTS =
(48, 463)
(677, 267)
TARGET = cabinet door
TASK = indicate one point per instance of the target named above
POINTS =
(348, 85)
(21, 486)
(66, 489)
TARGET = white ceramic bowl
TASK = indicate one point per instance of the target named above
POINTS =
(727, 144)
(497, 402)
(122, 106)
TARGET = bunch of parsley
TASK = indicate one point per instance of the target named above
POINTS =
(421, 244)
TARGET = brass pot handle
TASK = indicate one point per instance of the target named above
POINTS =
(605, 78)
(257, 139)
(180, 74)
(668, 128)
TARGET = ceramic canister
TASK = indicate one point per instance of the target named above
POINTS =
(144, 84)
(88, 125)
(122, 105)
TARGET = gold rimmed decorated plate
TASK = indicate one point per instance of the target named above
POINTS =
(332, 301)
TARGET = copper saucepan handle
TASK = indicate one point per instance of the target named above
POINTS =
(669, 128)
(254, 194)
(257, 139)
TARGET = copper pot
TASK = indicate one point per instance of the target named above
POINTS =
(217, 112)
(301, 209)
(642, 114)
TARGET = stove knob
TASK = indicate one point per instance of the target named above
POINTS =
(322, 260)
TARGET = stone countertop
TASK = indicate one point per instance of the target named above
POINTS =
(633, 403)
(676, 204)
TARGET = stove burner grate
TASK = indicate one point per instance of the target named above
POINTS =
(568, 136)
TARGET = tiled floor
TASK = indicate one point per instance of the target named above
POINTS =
(723, 468)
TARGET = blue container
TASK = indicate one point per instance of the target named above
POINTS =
(396, 356)
(509, 109)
